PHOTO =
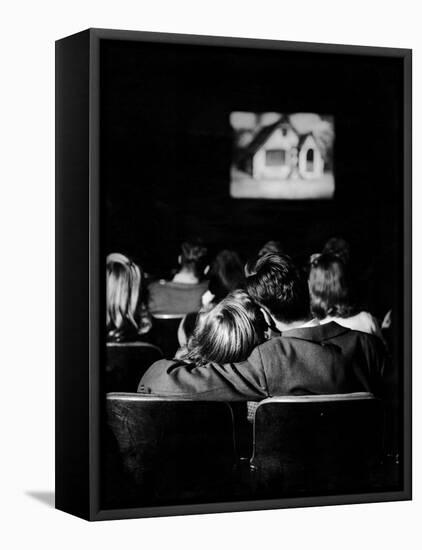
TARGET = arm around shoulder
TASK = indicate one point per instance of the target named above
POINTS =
(211, 382)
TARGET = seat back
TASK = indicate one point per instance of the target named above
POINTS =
(126, 363)
(165, 327)
(314, 444)
(173, 449)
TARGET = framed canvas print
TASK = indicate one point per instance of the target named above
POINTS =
(233, 274)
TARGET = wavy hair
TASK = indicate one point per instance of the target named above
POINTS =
(124, 284)
(228, 332)
(329, 287)
(275, 282)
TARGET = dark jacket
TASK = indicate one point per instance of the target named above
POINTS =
(313, 360)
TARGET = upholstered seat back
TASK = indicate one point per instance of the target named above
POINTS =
(126, 363)
(165, 327)
(317, 443)
(172, 448)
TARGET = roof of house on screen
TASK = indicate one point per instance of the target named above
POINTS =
(266, 132)
(304, 137)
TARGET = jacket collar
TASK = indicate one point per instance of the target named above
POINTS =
(318, 333)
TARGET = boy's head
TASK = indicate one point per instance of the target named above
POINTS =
(276, 284)
(193, 257)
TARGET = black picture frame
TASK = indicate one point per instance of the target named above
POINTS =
(79, 270)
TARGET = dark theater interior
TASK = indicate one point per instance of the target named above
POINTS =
(166, 147)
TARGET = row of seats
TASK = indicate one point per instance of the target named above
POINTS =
(127, 362)
(165, 326)
(168, 451)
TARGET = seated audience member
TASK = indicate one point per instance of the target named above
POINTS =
(338, 247)
(228, 332)
(225, 275)
(183, 293)
(307, 358)
(330, 293)
(127, 316)
(270, 247)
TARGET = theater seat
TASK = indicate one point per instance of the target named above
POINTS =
(165, 326)
(126, 363)
(171, 451)
(312, 445)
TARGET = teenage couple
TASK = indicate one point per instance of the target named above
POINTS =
(262, 342)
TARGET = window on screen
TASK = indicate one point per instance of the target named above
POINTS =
(275, 157)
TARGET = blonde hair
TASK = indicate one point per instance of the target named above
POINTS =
(124, 280)
(228, 332)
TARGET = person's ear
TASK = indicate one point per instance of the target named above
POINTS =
(269, 319)
(207, 268)
(181, 334)
(267, 316)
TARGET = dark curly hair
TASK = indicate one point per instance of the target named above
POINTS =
(276, 283)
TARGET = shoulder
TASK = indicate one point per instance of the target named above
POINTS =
(237, 381)
(366, 318)
(369, 324)
(272, 349)
(159, 369)
(362, 321)
(156, 289)
(158, 283)
(369, 342)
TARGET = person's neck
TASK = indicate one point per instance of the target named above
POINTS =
(283, 327)
(185, 276)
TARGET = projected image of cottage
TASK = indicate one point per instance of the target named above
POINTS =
(282, 156)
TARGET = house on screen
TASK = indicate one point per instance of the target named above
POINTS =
(278, 152)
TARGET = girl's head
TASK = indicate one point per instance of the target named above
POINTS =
(124, 280)
(329, 287)
(226, 274)
(337, 246)
(228, 332)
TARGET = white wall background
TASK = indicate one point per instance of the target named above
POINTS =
(27, 36)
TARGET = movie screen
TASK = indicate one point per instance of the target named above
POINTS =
(282, 156)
